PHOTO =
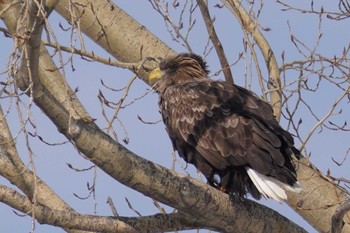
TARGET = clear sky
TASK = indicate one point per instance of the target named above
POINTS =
(151, 141)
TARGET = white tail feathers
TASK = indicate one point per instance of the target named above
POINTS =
(270, 187)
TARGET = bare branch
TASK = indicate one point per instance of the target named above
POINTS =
(337, 218)
(251, 26)
(215, 40)
(72, 220)
(13, 169)
(343, 6)
(329, 113)
(112, 206)
(91, 55)
(175, 29)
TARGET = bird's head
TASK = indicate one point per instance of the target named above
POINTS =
(181, 68)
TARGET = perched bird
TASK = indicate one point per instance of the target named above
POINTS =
(226, 131)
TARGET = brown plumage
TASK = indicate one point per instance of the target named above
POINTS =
(225, 130)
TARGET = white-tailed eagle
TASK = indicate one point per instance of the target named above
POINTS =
(226, 131)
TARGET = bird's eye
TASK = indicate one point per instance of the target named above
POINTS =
(173, 65)
(169, 66)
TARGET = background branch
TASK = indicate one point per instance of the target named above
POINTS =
(249, 25)
(215, 40)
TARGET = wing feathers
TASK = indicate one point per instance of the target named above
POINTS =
(228, 129)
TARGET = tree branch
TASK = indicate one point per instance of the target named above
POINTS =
(215, 40)
(94, 57)
(249, 25)
(28, 36)
(337, 218)
(12, 168)
(49, 74)
(70, 219)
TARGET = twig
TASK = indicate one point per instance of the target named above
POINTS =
(343, 6)
(92, 56)
(175, 32)
(330, 112)
(111, 204)
(6, 32)
(132, 208)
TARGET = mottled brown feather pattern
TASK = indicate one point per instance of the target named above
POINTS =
(220, 127)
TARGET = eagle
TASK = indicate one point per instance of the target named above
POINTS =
(226, 131)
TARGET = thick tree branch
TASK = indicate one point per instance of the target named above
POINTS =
(319, 199)
(70, 219)
(48, 207)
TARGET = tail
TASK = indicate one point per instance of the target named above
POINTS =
(270, 187)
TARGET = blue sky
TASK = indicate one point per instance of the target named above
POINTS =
(151, 141)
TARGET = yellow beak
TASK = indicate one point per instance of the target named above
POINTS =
(154, 75)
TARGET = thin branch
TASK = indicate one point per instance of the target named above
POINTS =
(251, 26)
(343, 6)
(175, 32)
(112, 206)
(93, 56)
(5, 32)
(328, 114)
(257, 66)
(215, 40)
(107, 154)
(132, 208)
(13, 169)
